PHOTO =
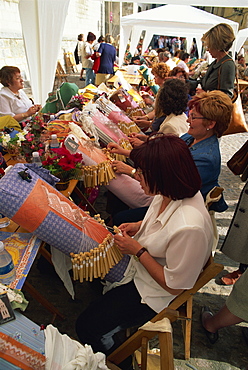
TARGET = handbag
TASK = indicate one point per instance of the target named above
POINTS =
(239, 161)
(237, 123)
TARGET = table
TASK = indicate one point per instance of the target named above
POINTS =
(23, 248)
(242, 84)
(131, 79)
(21, 332)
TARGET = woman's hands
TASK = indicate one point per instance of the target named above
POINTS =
(137, 139)
(131, 228)
(142, 121)
(120, 167)
(34, 109)
(198, 90)
(126, 244)
(115, 148)
(148, 99)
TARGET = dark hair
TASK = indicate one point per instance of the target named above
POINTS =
(167, 166)
(172, 97)
(185, 56)
(80, 37)
(100, 39)
(7, 74)
(91, 36)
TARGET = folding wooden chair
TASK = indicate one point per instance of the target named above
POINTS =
(60, 75)
(210, 270)
(70, 63)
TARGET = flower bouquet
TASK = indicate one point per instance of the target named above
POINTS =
(12, 144)
(34, 138)
(64, 165)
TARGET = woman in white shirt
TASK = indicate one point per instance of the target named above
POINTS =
(168, 248)
(13, 100)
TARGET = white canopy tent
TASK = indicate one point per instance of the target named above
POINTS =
(215, 3)
(171, 20)
(241, 39)
(42, 26)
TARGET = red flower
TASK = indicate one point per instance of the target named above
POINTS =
(66, 163)
(48, 161)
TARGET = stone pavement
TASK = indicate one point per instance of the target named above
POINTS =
(230, 352)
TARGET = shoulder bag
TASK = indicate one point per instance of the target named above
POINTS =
(237, 123)
(239, 161)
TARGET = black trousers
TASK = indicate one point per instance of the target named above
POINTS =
(118, 309)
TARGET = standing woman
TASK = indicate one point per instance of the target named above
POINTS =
(87, 62)
(220, 74)
(107, 52)
(13, 100)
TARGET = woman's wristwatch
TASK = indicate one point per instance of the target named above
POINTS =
(139, 253)
(133, 173)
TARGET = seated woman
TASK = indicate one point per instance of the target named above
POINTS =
(175, 233)
(210, 114)
(160, 72)
(179, 72)
(171, 102)
(13, 100)
(209, 118)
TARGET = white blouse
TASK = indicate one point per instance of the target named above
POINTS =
(176, 125)
(12, 104)
(180, 239)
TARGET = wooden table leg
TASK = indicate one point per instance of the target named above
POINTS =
(42, 300)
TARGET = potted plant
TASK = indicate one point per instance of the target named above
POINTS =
(64, 165)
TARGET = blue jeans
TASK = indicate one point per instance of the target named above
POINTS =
(90, 76)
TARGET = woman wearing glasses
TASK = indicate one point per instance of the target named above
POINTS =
(210, 114)
(209, 117)
(175, 234)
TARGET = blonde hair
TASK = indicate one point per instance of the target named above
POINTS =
(161, 69)
(219, 37)
(214, 106)
(109, 39)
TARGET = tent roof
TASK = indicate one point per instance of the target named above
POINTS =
(171, 20)
(183, 16)
(215, 3)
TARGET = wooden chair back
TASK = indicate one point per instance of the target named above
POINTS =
(60, 75)
(210, 270)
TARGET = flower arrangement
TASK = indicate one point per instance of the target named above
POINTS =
(12, 144)
(77, 101)
(23, 144)
(64, 165)
(34, 138)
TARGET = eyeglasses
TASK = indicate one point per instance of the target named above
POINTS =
(192, 117)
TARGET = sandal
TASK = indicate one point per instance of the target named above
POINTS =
(212, 337)
(231, 278)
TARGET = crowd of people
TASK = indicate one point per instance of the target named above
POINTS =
(96, 57)
(176, 159)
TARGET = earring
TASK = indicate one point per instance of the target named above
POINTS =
(208, 129)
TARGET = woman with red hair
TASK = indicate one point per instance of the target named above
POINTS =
(175, 234)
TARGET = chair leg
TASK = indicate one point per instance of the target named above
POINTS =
(144, 346)
(188, 326)
(166, 351)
